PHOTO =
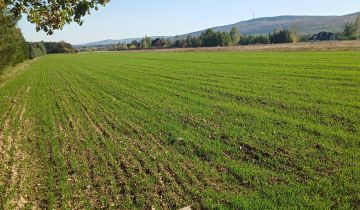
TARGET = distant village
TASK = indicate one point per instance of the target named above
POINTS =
(157, 43)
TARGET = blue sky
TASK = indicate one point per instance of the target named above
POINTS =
(136, 18)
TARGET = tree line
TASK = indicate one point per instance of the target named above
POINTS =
(36, 49)
(208, 38)
(13, 47)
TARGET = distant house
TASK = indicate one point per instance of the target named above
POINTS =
(323, 36)
(158, 43)
(134, 45)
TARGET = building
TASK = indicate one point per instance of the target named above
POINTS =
(134, 45)
(158, 43)
(323, 36)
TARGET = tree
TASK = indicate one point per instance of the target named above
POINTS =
(58, 47)
(250, 40)
(169, 43)
(36, 49)
(121, 46)
(13, 48)
(223, 39)
(235, 36)
(209, 38)
(51, 15)
(282, 36)
(260, 40)
(145, 43)
(357, 24)
(179, 43)
(350, 30)
(192, 41)
(294, 32)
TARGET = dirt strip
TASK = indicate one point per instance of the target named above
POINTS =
(302, 46)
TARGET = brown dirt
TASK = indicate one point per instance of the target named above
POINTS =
(303, 46)
(17, 175)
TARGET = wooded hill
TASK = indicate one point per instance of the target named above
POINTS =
(304, 24)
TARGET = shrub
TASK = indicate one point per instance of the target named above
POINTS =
(36, 49)
(250, 40)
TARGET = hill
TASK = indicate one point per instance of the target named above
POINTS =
(112, 42)
(305, 25)
(107, 42)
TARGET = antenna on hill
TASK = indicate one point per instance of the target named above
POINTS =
(253, 15)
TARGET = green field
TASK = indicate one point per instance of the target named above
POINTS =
(224, 130)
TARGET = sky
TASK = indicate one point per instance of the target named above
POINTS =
(136, 18)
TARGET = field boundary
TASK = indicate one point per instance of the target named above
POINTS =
(301, 46)
(12, 72)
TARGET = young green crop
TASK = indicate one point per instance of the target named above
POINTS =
(229, 130)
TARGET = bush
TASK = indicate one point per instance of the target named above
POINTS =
(250, 40)
(261, 40)
(306, 38)
(36, 49)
